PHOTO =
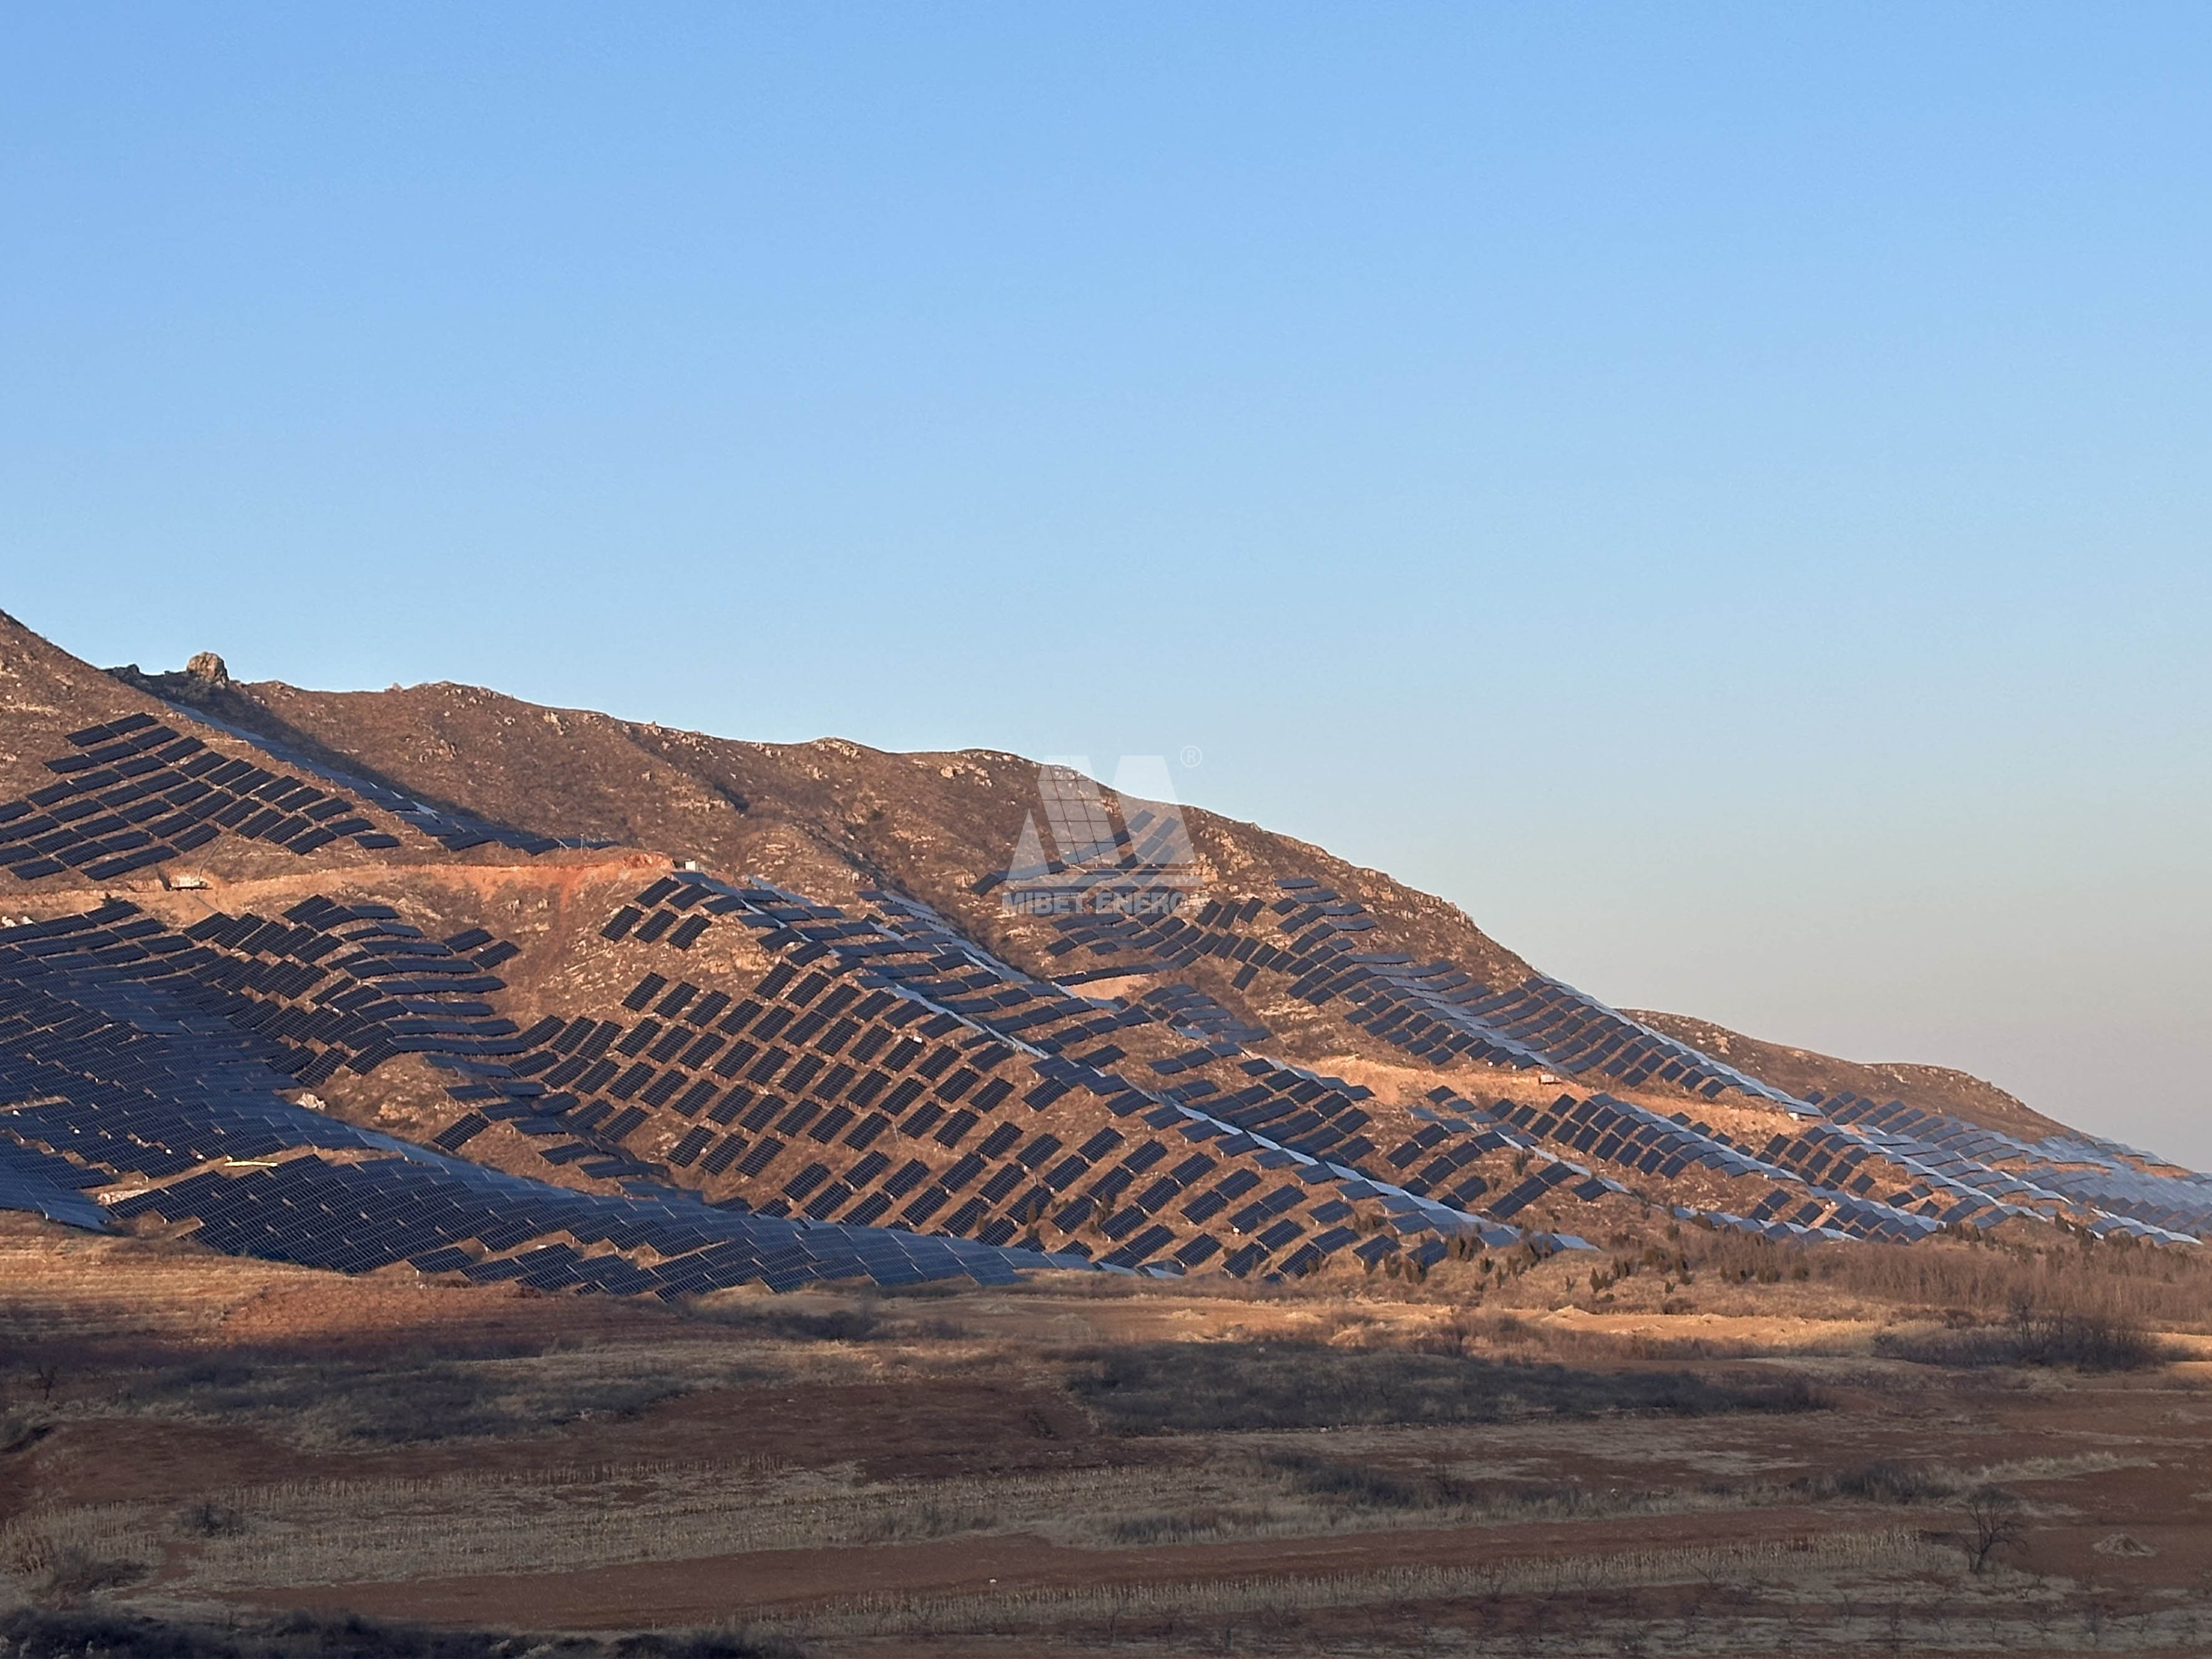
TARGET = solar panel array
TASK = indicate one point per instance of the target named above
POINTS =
(126, 1071)
(887, 1099)
(1188, 1010)
(137, 793)
(337, 986)
(1439, 1013)
(1825, 1179)
(1435, 1011)
(46, 1185)
(976, 1098)
(1866, 1173)
(1636, 1138)
(760, 1097)
(1817, 1181)
(2069, 1172)
(355, 986)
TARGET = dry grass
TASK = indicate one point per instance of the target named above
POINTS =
(1988, 1280)
(1350, 1416)
(463, 1525)
(1195, 1387)
(101, 1634)
(1894, 1550)
(405, 1401)
(349, 1531)
(1722, 1603)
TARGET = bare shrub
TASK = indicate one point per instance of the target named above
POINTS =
(2089, 1342)
(1885, 1483)
(706, 1645)
(1357, 1485)
(1993, 1524)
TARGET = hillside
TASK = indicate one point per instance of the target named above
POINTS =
(831, 817)
(436, 976)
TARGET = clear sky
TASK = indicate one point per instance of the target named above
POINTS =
(1721, 491)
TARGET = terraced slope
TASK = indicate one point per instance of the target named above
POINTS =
(437, 981)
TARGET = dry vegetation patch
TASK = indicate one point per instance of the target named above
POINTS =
(1186, 1388)
(406, 1402)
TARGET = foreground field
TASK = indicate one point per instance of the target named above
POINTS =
(1368, 1466)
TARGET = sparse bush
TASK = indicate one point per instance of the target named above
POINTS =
(2090, 1342)
(942, 1330)
(1791, 1394)
(704, 1645)
(1889, 1483)
(1983, 1279)
(2086, 1342)
(1359, 1486)
(210, 1518)
(1879, 1482)
(436, 1402)
(74, 1574)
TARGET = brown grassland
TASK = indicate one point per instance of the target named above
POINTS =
(1722, 1447)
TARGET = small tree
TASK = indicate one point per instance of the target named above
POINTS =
(1994, 1524)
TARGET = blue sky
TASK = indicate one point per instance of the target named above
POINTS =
(1722, 492)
